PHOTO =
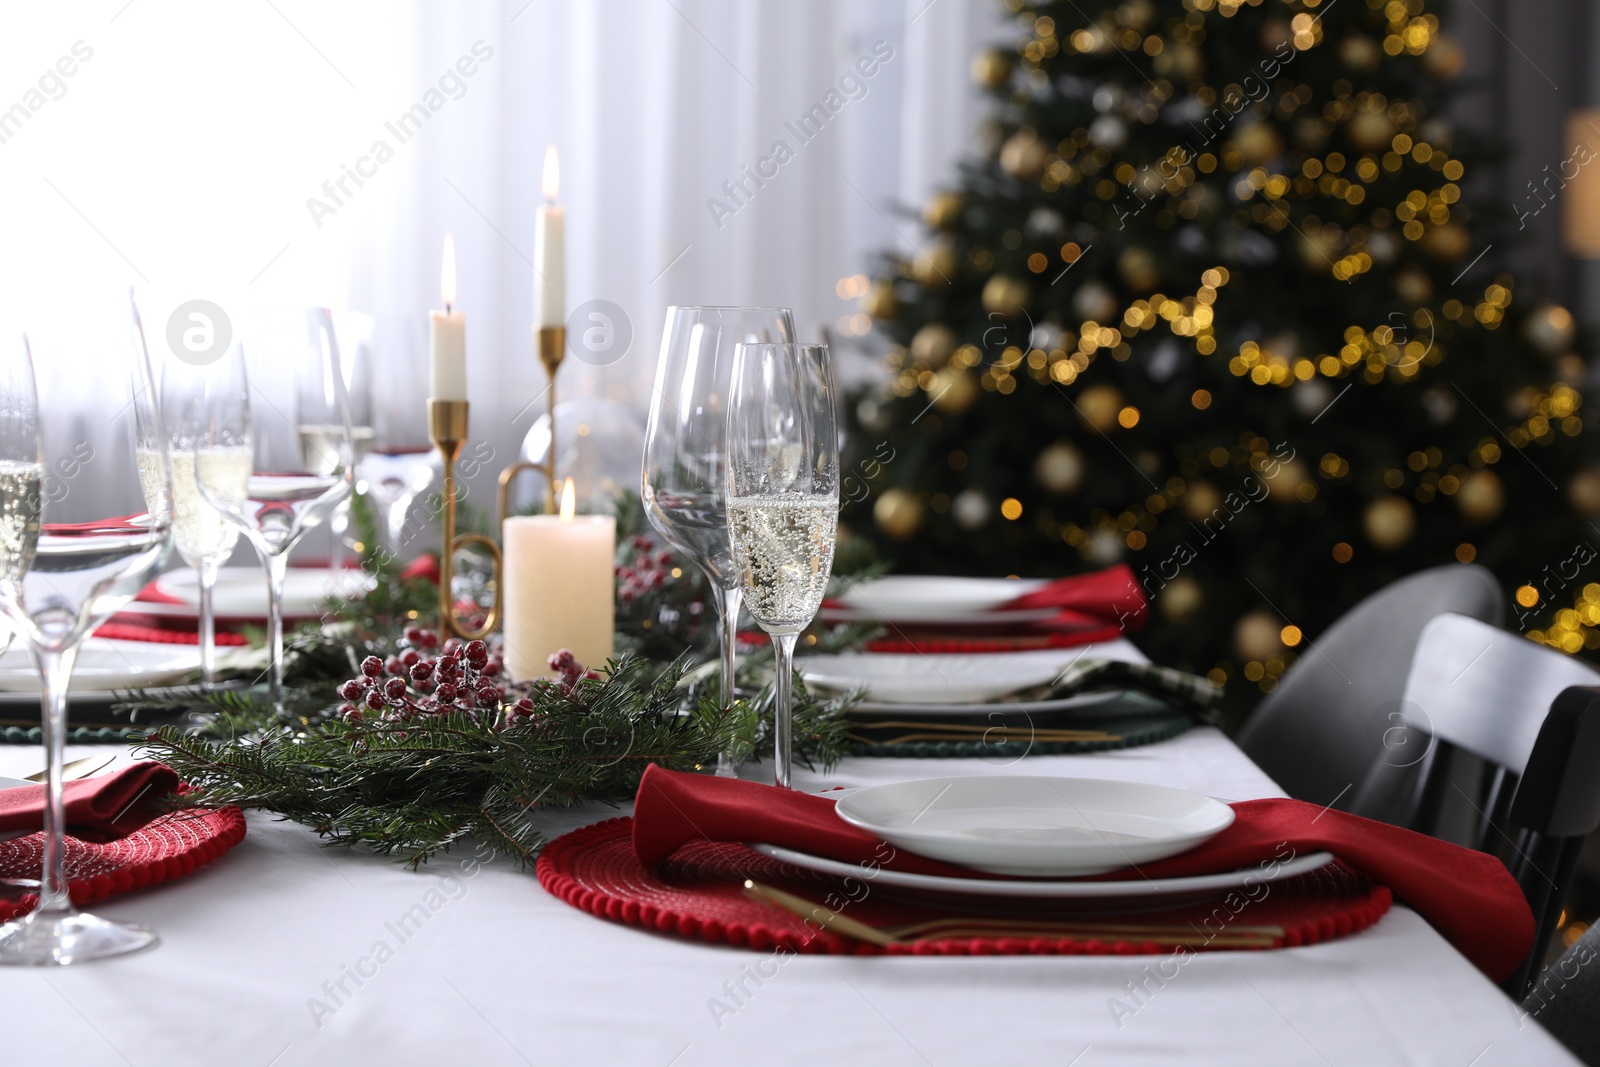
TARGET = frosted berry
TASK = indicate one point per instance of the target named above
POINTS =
(372, 666)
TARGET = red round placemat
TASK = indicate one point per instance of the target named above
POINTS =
(699, 893)
(165, 848)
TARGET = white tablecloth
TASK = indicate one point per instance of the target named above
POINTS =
(255, 948)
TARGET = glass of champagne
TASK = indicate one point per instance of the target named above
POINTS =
(683, 486)
(301, 470)
(202, 450)
(782, 478)
(69, 560)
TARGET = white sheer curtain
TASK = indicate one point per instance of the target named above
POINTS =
(234, 150)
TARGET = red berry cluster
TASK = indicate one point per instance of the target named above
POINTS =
(463, 676)
(645, 573)
(569, 672)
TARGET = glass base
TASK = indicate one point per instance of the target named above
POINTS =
(55, 939)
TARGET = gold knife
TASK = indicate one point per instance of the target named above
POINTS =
(78, 768)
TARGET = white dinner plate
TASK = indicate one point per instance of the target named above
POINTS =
(105, 665)
(1132, 895)
(1035, 826)
(952, 678)
(936, 598)
(241, 592)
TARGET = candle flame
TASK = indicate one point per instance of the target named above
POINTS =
(447, 273)
(569, 502)
(552, 173)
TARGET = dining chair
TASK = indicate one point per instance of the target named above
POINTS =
(1331, 715)
(1566, 998)
(1532, 715)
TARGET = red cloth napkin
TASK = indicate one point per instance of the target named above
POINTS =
(1113, 595)
(1468, 896)
(1019, 642)
(98, 809)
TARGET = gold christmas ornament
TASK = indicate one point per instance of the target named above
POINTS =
(942, 211)
(1583, 492)
(936, 265)
(1023, 155)
(1361, 52)
(880, 301)
(1444, 58)
(1004, 295)
(1389, 522)
(1447, 243)
(933, 344)
(1099, 405)
(1258, 635)
(1059, 468)
(1551, 329)
(897, 513)
(954, 391)
(1180, 598)
(991, 68)
(1201, 501)
(1481, 496)
(1258, 143)
(1370, 131)
(1139, 269)
(1414, 286)
(1284, 486)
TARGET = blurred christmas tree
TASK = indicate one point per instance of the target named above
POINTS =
(1207, 303)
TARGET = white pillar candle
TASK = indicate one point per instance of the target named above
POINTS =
(550, 250)
(447, 337)
(560, 588)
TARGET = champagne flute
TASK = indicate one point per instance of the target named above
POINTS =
(203, 451)
(357, 369)
(66, 566)
(685, 444)
(782, 478)
(301, 469)
(402, 461)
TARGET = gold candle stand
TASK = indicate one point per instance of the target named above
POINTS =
(552, 348)
(447, 427)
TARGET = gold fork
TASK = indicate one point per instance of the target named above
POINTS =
(989, 926)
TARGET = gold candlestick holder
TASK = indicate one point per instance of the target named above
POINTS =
(552, 348)
(447, 428)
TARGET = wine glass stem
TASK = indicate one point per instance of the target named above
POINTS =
(55, 669)
(206, 572)
(277, 565)
(728, 603)
(782, 707)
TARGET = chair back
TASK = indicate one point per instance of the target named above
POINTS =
(1326, 723)
(1532, 714)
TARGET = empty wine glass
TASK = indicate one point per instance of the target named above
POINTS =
(70, 559)
(402, 461)
(203, 451)
(782, 479)
(356, 364)
(685, 445)
(302, 468)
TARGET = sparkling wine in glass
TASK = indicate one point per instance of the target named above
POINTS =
(296, 479)
(201, 451)
(683, 488)
(69, 560)
(782, 478)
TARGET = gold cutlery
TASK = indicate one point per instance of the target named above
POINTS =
(968, 926)
(78, 768)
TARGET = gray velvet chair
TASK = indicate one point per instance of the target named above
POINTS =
(1566, 998)
(1340, 707)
